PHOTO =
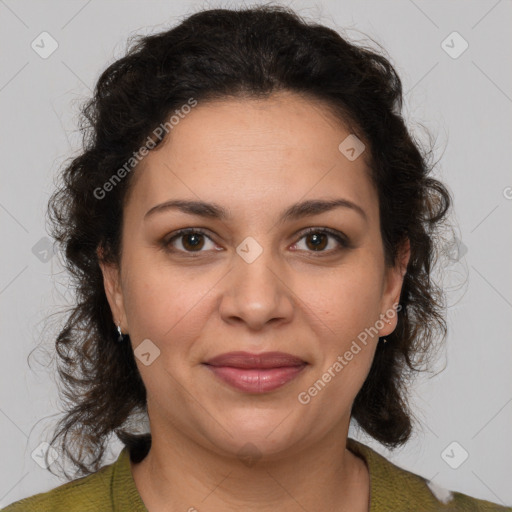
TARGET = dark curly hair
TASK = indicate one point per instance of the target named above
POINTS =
(221, 54)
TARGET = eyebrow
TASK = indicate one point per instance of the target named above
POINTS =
(294, 212)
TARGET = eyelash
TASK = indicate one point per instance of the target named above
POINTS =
(339, 237)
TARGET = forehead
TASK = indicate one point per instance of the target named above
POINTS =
(255, 154)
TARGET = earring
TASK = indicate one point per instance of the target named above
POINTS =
(384, 340)
(121, 335)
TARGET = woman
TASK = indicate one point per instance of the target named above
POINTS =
(251, 228)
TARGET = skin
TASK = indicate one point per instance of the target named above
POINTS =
(255, 158)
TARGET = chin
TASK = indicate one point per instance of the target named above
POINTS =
(256, 435)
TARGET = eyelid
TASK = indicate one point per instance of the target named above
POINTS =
(340, 237)
(166, 242)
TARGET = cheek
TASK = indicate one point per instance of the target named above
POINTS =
(164, 305)
(345, 306)
(346, 301)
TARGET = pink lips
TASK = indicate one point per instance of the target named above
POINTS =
(256, 373)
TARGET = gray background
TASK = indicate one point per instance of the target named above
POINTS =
(466, 101)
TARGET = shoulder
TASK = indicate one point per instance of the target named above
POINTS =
(395, 488)
(86, 494)
(456, 501)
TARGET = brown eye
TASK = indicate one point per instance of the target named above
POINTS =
(192, 241)
(188, 240)
(318, 241)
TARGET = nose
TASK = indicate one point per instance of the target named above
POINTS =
(257, 293)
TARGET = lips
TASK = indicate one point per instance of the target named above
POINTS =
(256, 373)
(264, 360)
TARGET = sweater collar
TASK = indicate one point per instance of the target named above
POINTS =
(382, 472)
(125, 495)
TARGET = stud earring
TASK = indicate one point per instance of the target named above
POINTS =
(384, 340)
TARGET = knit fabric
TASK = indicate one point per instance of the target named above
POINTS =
(392, 489)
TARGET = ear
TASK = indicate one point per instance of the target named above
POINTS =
(113, 290)
(392, 287)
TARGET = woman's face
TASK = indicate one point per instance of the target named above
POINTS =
(253, 280)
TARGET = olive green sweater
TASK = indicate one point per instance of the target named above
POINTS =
(392, 489)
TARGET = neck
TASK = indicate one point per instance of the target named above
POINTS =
(180, 474)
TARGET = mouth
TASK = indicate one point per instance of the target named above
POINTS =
(256, 373)
(252, 361)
